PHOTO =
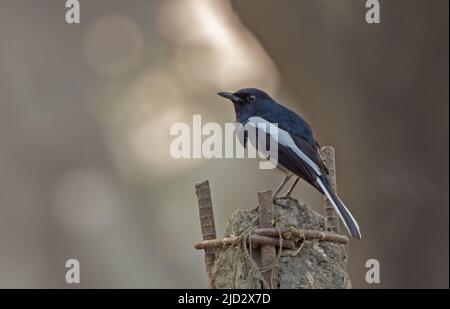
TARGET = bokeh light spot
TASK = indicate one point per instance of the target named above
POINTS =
(113, 45)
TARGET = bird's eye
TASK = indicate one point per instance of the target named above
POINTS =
(251, 98)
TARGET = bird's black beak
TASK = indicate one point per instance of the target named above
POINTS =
(230, 96)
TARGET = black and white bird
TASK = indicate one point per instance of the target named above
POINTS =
(298, 150)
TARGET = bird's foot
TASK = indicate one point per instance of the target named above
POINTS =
(281, 186)
(287, 195)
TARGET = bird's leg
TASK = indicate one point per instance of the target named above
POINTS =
(288, 194)
(281, 186)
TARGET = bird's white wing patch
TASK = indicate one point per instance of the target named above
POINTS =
(283, 138)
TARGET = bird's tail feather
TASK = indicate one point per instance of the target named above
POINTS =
(344, 213)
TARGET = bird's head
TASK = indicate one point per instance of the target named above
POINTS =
(245, 96)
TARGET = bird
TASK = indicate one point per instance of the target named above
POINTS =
(298, 150)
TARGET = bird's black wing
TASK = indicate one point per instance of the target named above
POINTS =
(290, 160)
(310, 150)
(295, 144)
(299, 130)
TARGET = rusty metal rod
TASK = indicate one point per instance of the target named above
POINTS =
(255, 240)
(268, 252)
(207, 225)
(328, 157)
(294, 233)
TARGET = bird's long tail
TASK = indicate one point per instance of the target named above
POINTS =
(344, 213)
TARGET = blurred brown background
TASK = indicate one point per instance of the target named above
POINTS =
(85, 112)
